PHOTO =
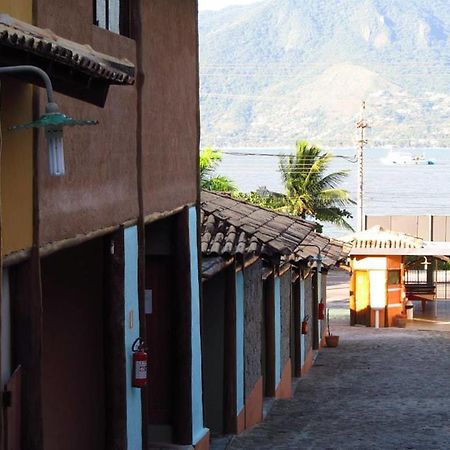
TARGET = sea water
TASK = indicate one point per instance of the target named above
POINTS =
(388, 189)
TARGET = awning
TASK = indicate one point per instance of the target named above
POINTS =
(377, 241)
(75, 69)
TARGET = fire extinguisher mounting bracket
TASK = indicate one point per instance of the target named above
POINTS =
(138, 344)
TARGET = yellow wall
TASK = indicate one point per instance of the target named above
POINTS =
(16, 158)
(16, 166)
(20, 9)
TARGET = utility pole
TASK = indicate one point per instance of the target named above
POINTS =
(361, 126)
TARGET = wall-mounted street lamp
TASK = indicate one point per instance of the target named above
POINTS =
(52, 121)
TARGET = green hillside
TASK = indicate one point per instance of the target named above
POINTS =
(286, 69)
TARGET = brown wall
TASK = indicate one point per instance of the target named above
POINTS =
(170, 98)
(73, 363)
(99, 189)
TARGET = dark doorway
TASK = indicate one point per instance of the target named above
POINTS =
(268, 347)
(160, 333)
(12, 414)
(161, 304)
(213, 355)
(73, 382)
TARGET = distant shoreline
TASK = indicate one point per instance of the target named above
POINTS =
(327, 147)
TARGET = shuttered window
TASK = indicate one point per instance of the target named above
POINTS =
(113, 15)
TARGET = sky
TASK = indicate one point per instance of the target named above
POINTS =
(219, 4)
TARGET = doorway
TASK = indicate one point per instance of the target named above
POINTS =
(362, 298)
(213, 355)
(295, 344)
(268, 337)
(161, 330)
(73, 382)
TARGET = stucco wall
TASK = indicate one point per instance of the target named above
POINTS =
(253, 292)
(100, 188)
(170, 98)
(286, 287)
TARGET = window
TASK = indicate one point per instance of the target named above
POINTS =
(393, 276)
(113, 15)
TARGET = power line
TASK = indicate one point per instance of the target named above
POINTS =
(285, 155)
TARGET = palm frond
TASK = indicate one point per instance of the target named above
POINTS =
(310, 189)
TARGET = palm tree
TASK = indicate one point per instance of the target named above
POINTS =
(310, 190)
(209, 160)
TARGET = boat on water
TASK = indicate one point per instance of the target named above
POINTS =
(406, 158)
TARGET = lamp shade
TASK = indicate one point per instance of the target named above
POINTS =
(53, 122)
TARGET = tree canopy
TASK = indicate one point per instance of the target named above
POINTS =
(209, 160)
(310, 189)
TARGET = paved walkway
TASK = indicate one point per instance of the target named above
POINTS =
(379, 389)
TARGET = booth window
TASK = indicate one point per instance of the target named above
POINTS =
(393, 276)
(113, 15)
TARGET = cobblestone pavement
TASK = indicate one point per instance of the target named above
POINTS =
(379, 389)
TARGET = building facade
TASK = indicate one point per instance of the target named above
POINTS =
(261, 279)
(107, 253)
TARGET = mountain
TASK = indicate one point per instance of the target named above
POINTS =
(280, 70)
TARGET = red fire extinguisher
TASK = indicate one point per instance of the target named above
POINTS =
(305, 325)
(321, 311)
(140, 360)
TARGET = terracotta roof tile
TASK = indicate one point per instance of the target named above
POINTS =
(262, 231)
(20, 35)
(279, 232)
(232, 227)
(332, 251)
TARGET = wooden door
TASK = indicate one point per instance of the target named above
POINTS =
(159, 340)
(362, 298)
(12, 411)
